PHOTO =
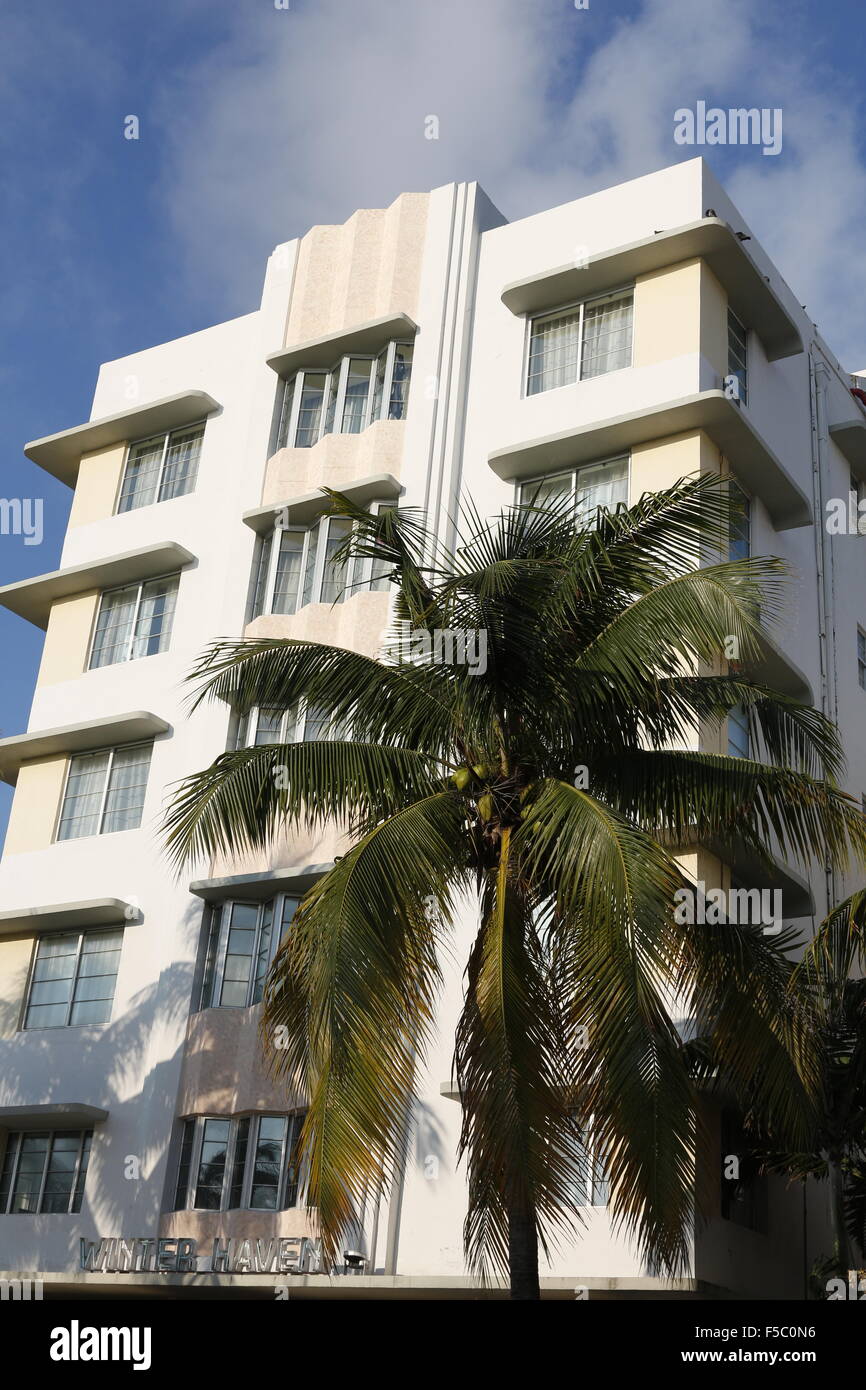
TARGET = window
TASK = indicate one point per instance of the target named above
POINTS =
(73, 979)
(160, 468)
(595, 485)
(134, 621)
(295, 566)
(740, 534)
(743, 1189)
(104, 791)
(44, 1171)
(247, 1161)
(302, 723)
(242, 940)
(583, 341)
(592, 1187)
(861, 657)
(346, 398)
(739, 742)
(737, 355)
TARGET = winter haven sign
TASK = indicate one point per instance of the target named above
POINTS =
(177, 1255)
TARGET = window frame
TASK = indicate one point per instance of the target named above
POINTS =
(48, 936)
(577, 306)
(861, 657)
(574, 471)
(293, 1122)
(737, 330)
(146, 439)
(86, 753)
(84, 1147)
(141, 585)
(215, 945)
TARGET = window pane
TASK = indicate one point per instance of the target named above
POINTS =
(9, 1156)
(181, 463)
(60, 1175)
(83, 796)
(262, 564)
(114, 626)
(400, 379)
(155, 614)
(127, 783)
(212, 1164)
(379, 385)
(141, 476)
(97, 975)
(31, 1168)
(291, 1161)
(335, 575)
(269, 727)
(211, 955)
(739, 543)
(264, 1191)
(288, 576)
(738, 733)
(82, 1171)
(52, 981)
(357, 391)
(607, 327)
(601, 485)
(553, 352)
(314, 540)
(541, 491)
(263, 954)
(242, 1136)
(737, 354)
(239, 955)
(286, 401)
(181, 1195)
(310, 412)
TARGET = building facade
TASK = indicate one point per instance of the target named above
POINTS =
(421, 354)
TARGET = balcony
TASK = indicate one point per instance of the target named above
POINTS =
(750, 293)
(32, 598)
(111, 731)
(60, 454)
(723, 420)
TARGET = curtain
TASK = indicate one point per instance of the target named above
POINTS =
(553, 352)
(84, 787)
(141, 477)
(127, 782)
(607, 336)
(155, 614)
(181, 463)
(114, 627)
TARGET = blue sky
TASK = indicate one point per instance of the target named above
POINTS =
(256, 122)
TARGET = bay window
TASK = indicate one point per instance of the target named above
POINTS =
(302, 723)
(297, 565)
(346, 398)
(580, 341)
(239, 1162)
(242, 940)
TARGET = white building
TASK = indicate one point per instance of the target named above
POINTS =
(413, 352)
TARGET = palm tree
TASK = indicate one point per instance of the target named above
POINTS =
(834, 1147)
(550, 792)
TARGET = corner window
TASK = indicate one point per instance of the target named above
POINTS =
(73, 979)
(579, 342)
(247, 1161)
(345, 398)
(602, 484)
(740, 533)
(296, 565)
(160, 468)
(242, 940)
(104, 791)
(737, 360)
(302, 723)
(134, 621)
(44, 1171)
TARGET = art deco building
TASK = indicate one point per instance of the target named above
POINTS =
(420, 353)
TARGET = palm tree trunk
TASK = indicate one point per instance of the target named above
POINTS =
(841, 1247)
(523, 1254)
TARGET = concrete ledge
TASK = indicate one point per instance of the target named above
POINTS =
(306, 507)
(88, 737)
(850, 436)
(32, 598)
(259, 886)
(89, 912)
(368, 337)
(723, 420)
(58, 1115)
(750, 293)
(60, 454)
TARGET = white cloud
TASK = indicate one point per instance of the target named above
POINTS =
(303, 115)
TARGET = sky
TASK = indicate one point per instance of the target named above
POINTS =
(258, 118)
